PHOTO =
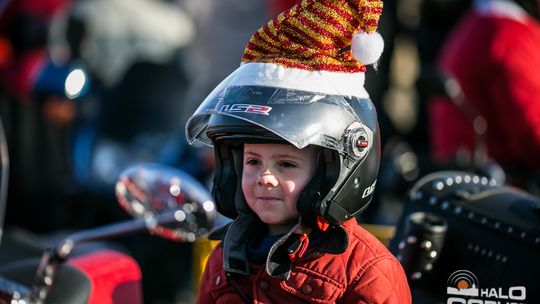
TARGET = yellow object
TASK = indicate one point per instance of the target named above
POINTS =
(201, 251)
(383, 233)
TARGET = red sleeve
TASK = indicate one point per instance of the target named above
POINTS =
(382, 281)
(516, 89)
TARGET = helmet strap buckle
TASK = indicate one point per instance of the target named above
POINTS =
(297, 249)
(322, 223)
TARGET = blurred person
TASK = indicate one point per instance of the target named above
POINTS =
(413, 158)
(131, 53)
(436, 20)
(36, 118)
(492, 54)
(134, 52)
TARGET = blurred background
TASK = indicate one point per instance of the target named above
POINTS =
(90, 87)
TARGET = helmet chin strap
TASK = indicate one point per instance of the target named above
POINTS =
(310, 198)
(287, 250)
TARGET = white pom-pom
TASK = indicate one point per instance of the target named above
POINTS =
(367, 48)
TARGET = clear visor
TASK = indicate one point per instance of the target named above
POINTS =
(320, 116)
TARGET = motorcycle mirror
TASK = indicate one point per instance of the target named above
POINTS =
(165, 200)
(172, 203)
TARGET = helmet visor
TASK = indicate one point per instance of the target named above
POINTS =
(300, 117)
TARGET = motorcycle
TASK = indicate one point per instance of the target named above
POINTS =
(462, 226)
(163, 200)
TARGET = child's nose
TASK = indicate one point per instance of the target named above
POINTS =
(267, 179)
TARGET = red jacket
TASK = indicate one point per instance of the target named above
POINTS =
(494, 54)
(365, 273)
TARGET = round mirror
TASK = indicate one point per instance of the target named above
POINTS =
(174, 204)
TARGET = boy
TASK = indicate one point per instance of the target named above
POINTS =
(297, 152)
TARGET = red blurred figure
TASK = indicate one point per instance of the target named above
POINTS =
(493, 54)
(23, 31)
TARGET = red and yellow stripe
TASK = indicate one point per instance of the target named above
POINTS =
(314, 35)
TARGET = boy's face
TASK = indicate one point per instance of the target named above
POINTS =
(273, 177)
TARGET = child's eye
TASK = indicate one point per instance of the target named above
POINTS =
(252, 162)
(288, 164)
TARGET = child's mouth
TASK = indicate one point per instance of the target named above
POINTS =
(268, 198)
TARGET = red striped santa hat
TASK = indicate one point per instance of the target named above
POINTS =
(334, 39)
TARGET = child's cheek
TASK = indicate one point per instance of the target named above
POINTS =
(290, 187)
(247, 186)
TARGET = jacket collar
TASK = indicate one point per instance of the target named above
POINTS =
(235, 237)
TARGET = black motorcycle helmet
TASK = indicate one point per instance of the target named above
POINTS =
(343, 126)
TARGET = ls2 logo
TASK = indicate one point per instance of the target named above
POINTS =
(246, 108)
